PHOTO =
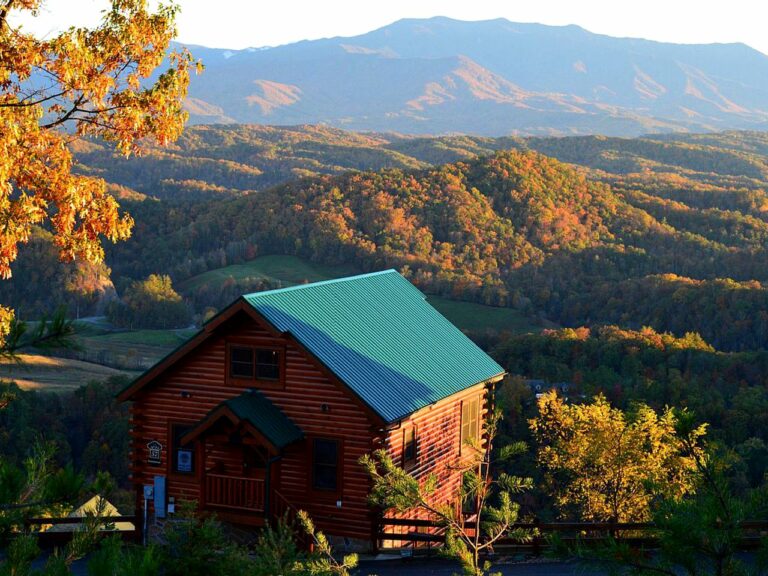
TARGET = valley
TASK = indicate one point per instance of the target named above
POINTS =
(667, 232)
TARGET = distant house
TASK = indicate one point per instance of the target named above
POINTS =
(540, 387)
(274, 401)
(91, 507)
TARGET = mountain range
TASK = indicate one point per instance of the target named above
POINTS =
(494, 77)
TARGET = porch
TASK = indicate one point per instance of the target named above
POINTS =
(235, 493)
(239, 448)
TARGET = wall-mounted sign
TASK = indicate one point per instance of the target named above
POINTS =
(184, 460)
(154, 452)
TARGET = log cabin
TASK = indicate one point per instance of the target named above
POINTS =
(273, 402)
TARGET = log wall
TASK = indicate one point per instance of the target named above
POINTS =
(438, 445)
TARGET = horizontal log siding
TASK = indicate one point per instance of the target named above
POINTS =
(202, 374)
(438, 445)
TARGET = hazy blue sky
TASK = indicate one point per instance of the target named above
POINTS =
(243, 23)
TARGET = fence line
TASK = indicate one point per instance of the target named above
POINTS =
(412, 534)
(47, 538)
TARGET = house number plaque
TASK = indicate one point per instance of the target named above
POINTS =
(154, 452)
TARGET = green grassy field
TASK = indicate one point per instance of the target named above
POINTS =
(157, 338)
(285, 270)
(104, 351)
(477, 317)
(127, 350)
(291, 270)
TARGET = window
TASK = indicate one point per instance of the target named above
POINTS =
(240, 362)
(470, 420)
(325, 464)
(267, 365)
(183, 456)
(409, 445)
(254, 363)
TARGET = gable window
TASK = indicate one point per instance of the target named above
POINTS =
(240, 362)
(409, 446)
(248, 363)
(267, 365)
(183, 457)
(470, 420)
(325, 464)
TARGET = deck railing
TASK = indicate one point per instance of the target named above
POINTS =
(234, 492)
(400, 533)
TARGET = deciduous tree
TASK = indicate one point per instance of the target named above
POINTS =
(700, 534)
(82, 82)
(607, 465)
(151, 303)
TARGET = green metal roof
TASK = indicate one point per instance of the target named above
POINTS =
(256, 409)
(378, 334)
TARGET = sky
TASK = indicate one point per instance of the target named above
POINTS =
(239, 24)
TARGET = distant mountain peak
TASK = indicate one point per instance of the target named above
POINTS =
(493, 77)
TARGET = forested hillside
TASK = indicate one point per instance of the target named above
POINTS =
(667, 232)
(215, 162)
(41, 282)
(726, 390)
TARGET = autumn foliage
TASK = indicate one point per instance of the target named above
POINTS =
(608, 465)
(82, 82)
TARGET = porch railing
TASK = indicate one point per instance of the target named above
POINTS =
(282, 509)
(234, 492)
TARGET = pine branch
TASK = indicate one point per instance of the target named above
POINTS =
(54, 333)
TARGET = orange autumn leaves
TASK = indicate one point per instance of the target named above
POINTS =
(83, 82)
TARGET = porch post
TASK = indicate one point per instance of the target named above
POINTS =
(268, 484)
(267, 491)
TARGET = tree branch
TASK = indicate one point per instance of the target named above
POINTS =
(4, 13)
(93, 121)
(60, 120)
(21, 506)
(101, 110)
(24, 104)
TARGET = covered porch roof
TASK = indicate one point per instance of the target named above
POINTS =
(258, 414)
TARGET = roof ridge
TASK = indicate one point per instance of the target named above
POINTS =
(320, 283)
